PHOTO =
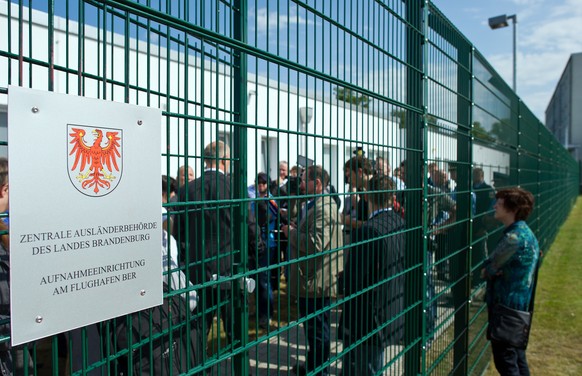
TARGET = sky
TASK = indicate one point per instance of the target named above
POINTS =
(548, 32)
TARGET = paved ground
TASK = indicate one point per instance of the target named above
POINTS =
(277, 354)
(280, 353)
(278, 350)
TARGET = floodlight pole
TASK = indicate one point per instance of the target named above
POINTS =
(502, 21)
(514, 18)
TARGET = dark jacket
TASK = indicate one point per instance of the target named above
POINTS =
(208, 250)
(484, 201)
(11, 359)
(256, 246)
(378, 261)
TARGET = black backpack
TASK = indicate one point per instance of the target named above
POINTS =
(168, 348)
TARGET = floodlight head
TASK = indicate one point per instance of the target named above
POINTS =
(498, 22)
(305, 115)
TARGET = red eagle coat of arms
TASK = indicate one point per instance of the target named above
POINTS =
(95, 159)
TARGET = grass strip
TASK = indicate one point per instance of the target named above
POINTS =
(555, 346)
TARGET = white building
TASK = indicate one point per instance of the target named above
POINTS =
(274, 128)
(564, 113)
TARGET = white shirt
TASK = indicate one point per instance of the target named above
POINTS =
(177, 280)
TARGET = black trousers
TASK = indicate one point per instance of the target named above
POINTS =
(212, 302)
(509, 361)
(317, 332)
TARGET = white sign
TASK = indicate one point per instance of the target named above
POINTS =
(85, 211)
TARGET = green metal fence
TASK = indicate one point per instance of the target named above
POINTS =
(304, 82)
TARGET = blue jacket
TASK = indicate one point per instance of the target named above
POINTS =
(267, 215)
(510, 268)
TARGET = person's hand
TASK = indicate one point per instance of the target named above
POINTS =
(347, 220)
(285, 230)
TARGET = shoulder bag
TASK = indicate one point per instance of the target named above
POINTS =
(511, 326)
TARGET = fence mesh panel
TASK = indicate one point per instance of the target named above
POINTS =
(315, 101)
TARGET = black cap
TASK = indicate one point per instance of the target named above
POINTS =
(262, 177)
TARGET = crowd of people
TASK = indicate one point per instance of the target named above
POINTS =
(310, 229)
(357, 252)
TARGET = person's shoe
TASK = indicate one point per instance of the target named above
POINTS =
(299, 370)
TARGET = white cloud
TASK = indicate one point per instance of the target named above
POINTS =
(557, 34)
(528, 2)
(548, 32)
(474, 10)
(568, 7)
(537, 101)
(274, 20)
(557, 27)
(537, 75)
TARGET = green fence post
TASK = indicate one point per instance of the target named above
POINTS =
(514, 154)
(461, 265)
(190, 59)
(519, 152)
(51, 45)
(413, 195)
(239, 93)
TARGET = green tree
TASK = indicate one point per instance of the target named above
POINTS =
(432, 122)
(349, 96)
(400, 115)
(502, 131)
(481, 133)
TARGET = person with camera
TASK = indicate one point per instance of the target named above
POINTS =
(268, 214)
(316, 243)
(13, 360)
